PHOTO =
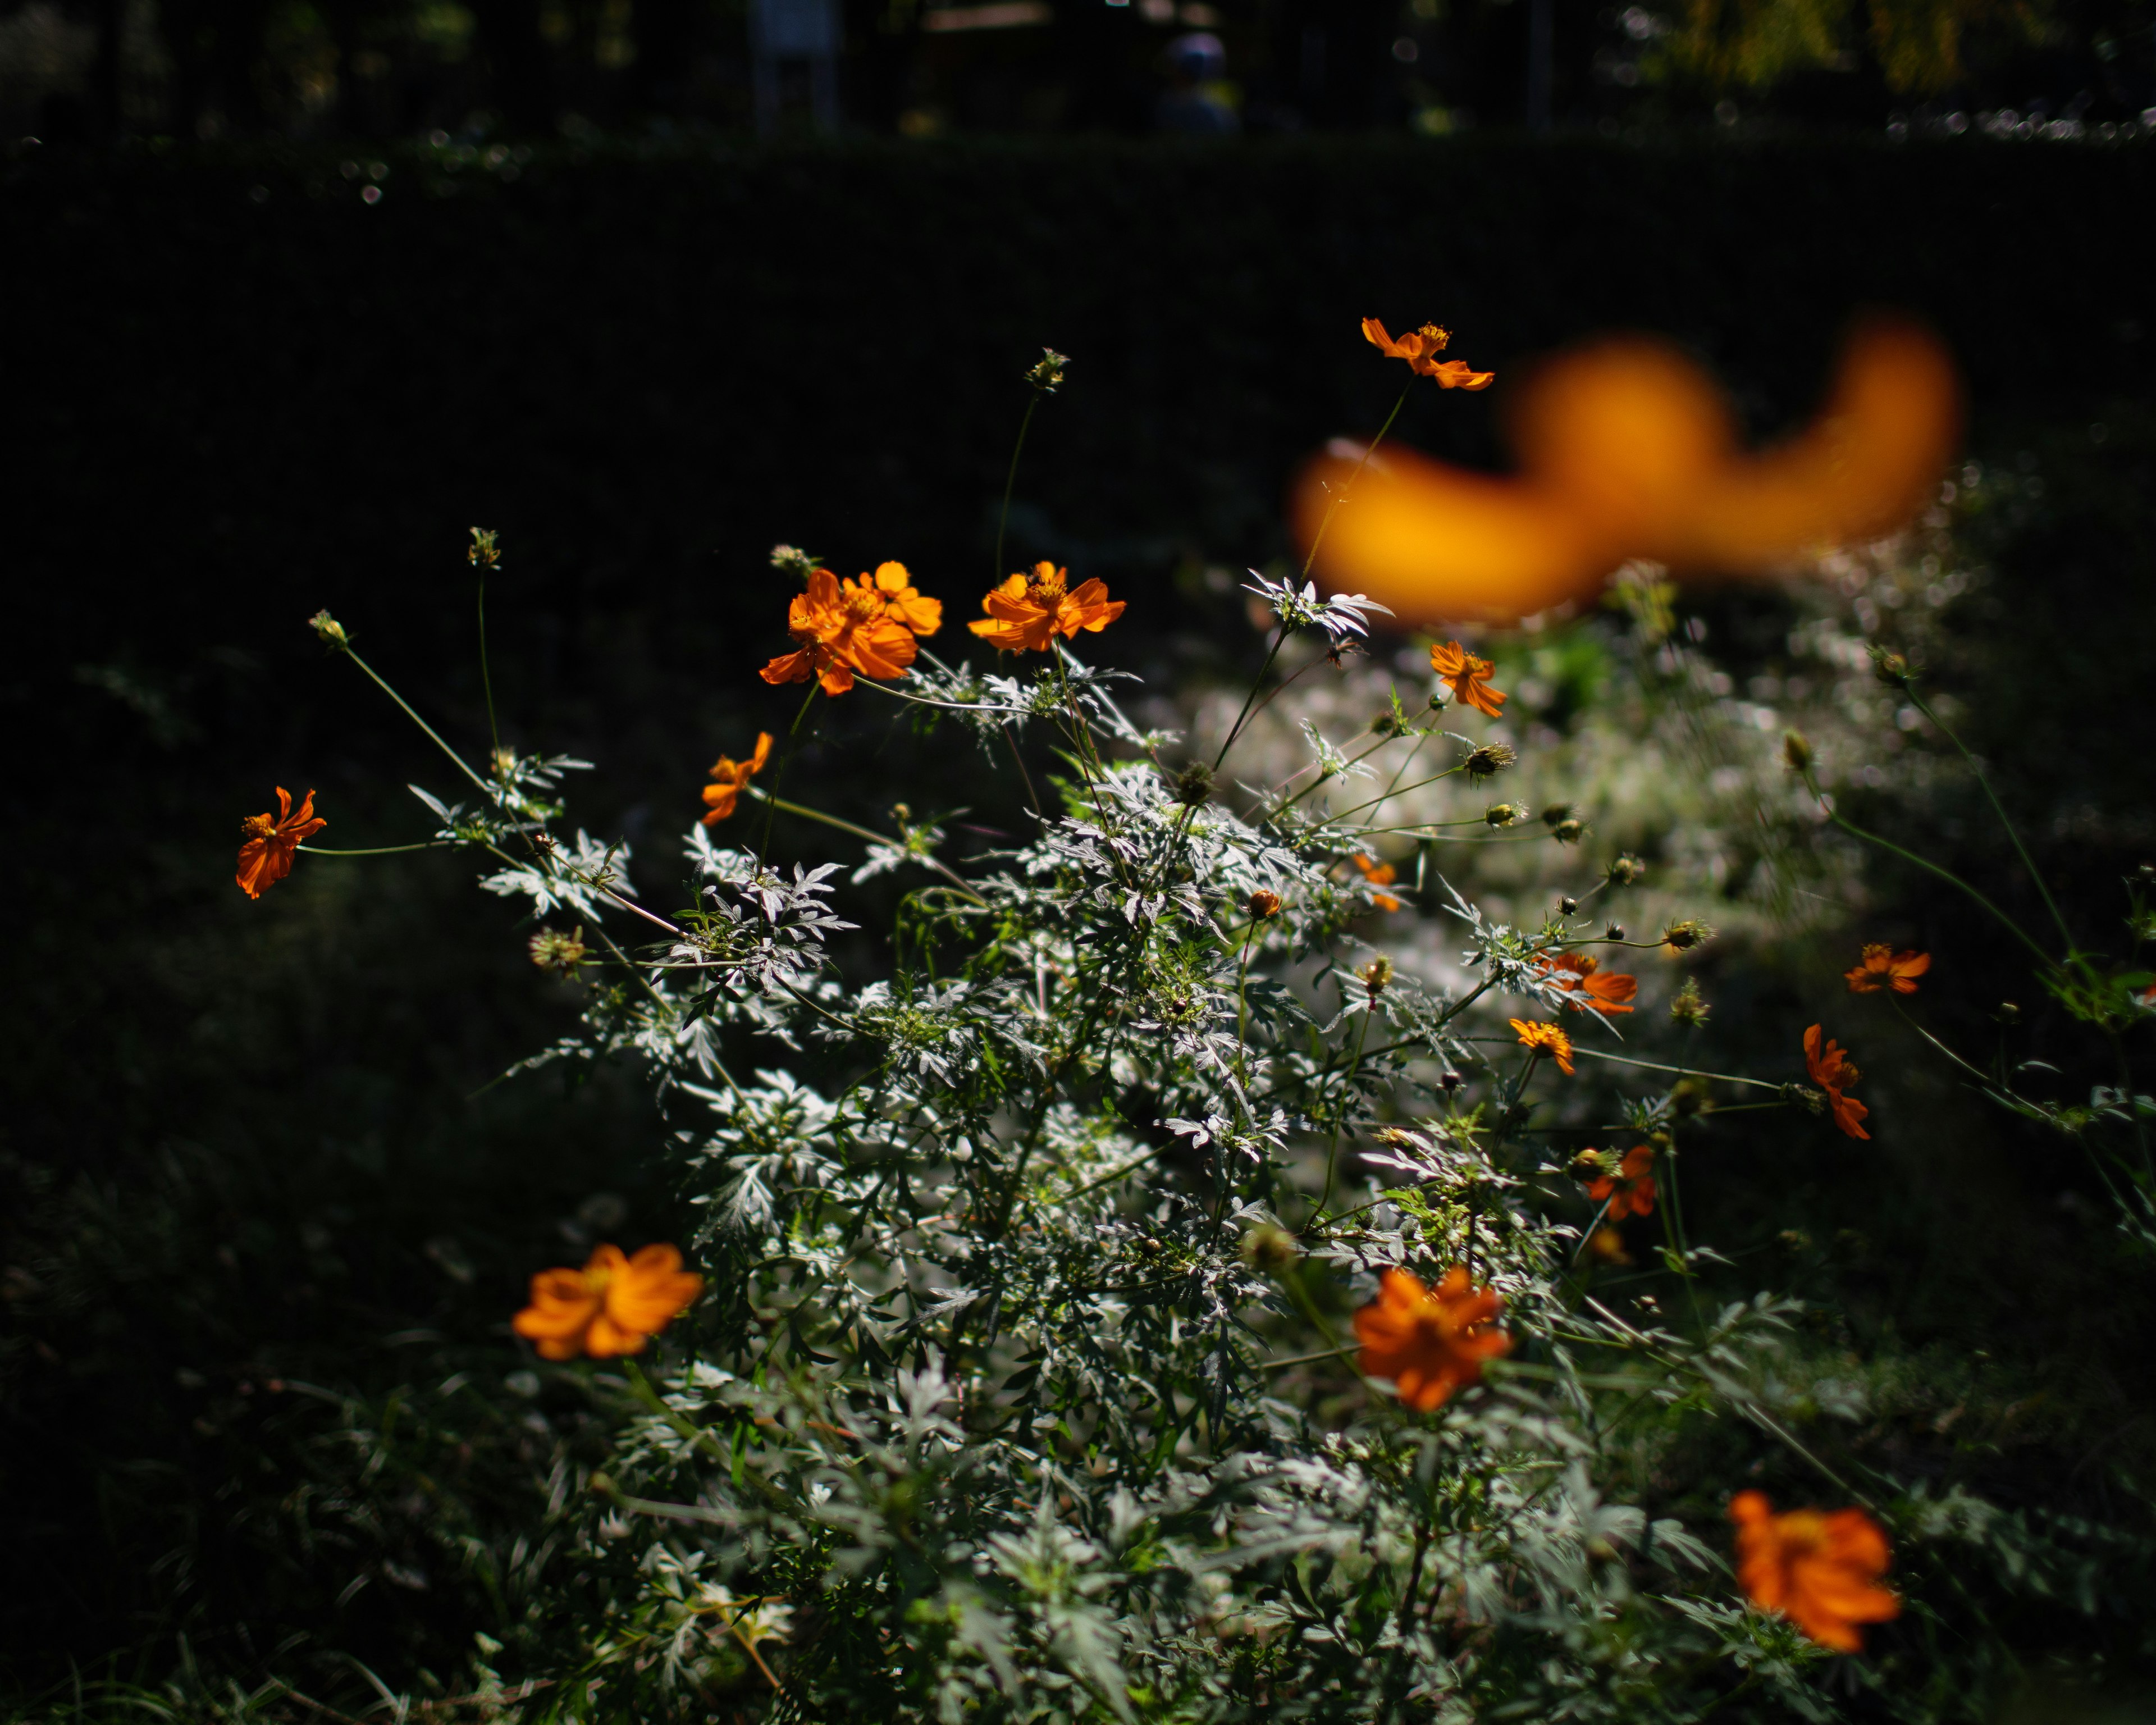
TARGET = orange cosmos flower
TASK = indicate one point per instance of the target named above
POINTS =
(901, 599)
(1820, 1570)
(1591, 990)
(1430, 1341)
(1377, 874)
(1469, 678)
(1027, 611)
(266, 856)
(1833, 1073)
(613, 1306)
(730, 777)
(1883, 967)
(842, 630)
(1546, 1038)
(1419, 348)
(1630, 1191)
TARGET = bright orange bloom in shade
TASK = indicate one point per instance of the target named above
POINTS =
(1420, 347)
(1630, 1191)
(1591, 990)
(841, 630)
(1469, 678)
(730, 777)
(266, 856)
(1819, 1569)
(1883, 967)
(1377, 874)
(901, 600)
(1429, 1341)
(613, 1306)
(1833, 1073)
(1547, 1039)
(1027, 611)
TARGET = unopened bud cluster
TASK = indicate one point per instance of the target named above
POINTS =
(486, 551)
(792, 560)
(556, 953)
(329, 631)
(1046, 374)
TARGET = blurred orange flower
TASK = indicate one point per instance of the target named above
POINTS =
(1546, 1038)
(1377, 874)
(1429, 1341)
(1591, 988)
(613, 1306)
(842, 630)
(730, 777)
(1630, 1191)
(1833, 1073)
(1820, 1570)
(894, 588)
(1469, 678)
(1420, 347)
(1027, 611)
(1883, 967)
(265, 857)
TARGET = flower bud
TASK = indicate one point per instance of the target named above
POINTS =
(1567, 905)
(1270, 1250)
(329, 631)
(556, 953)
(1569, 831)
(1449, 1080)
(1892, 668)
(2008, 1013)
(1263, 903)
(485, 551)
(788, 560)
(1376, 974)
(1688, 1009)
(1501, 815)
(1612, 930)
(1625, 872)
(1796, 751)
(1194, 785)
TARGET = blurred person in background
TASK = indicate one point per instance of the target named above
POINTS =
(1198, 101)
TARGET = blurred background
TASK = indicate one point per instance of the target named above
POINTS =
(296, 294)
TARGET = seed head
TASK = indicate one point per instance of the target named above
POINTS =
(1045, 374)
(1501, 815)
(1376, 974)
(1625, 872)
(556, 953)
(328, 629)
(1688, 1009)
(1683, 937)
(1194, 785)
(1796, 751)
(1892, 668)
(485, 551)
(1488, 760)
(1569, 831)
(1270, 1250)
(789, 560)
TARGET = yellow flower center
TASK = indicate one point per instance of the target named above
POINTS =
(1802, 1531)
(257, 826)
(863, 607)
(1045, 584)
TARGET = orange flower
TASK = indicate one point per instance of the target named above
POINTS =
(1832, 1072)
(1419, 348)
(613, 1306)
(1377, 874)
(730, 777)
(1630, 1191)
(1430, 1341)
(901, 600)
(1820, 1570)
(1469, 678)
(1883, 967)
(1581, 976)
(266, 856)
(1030, 610)
(842, 629)
(1548, 1038)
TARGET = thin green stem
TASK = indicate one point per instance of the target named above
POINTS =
(779, 778)
(463, 766)
(378, 850)
(1849, 826)
(1258, 682)
(1340, 1112)
(1340, 497)
(1998, 809)
(1010, 481)
(874, 838)
(485, 675)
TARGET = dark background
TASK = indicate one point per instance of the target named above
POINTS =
(248, 1213)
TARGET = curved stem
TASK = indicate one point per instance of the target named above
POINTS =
(376, 849)
(1010, 480)
(874, 838)
(462, 767)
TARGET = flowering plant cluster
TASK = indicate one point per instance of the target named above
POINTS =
(1153, 1295)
